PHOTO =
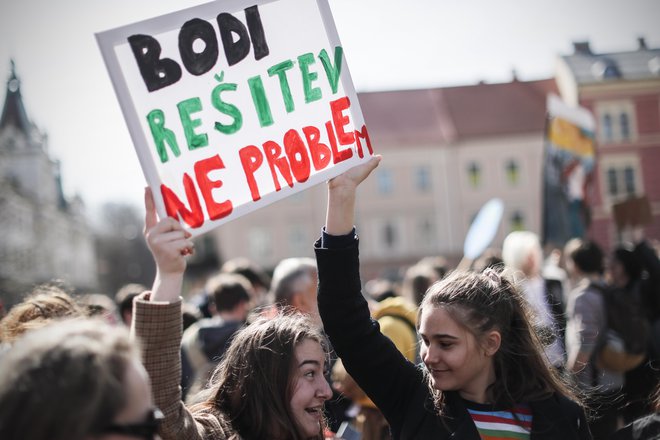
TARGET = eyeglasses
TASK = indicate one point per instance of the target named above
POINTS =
(146, 430)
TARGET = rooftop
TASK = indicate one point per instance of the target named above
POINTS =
(450, 114)
(589, 67)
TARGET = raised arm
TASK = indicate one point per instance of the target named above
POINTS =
(169, 243)
(386, 376)
(341, 197)
(157, 323)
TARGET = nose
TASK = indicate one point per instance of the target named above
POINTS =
(428, 355)
(324, 391)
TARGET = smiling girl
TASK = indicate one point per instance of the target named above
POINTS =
(270, 383)
(484, 375)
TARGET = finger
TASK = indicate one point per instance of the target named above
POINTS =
(171, 236)
(185, 247)
(168, 224)
(363, 170)
(189, 250)
(373, 162)
(150, 217)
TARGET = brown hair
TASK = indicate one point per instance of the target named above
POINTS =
(64, 381)
(252, 385)
(44, 304)
(485, 301)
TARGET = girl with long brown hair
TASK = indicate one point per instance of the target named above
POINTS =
(269, 384)
(484, 374)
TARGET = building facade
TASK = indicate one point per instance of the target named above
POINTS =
(446, 152)
(45, 236)
(622, 90)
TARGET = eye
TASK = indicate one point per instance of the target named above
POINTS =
(446, 345)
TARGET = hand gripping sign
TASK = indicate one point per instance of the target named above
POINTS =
(233, 105)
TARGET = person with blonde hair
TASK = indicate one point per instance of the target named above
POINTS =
(44, 304)
(522, 253)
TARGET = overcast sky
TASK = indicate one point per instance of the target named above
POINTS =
(388, 45)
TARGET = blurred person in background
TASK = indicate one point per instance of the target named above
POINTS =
(205, 342)
(522, 252)
(43, 305)
(586, 323)
(416, 281)
(634, 272)
(254, 273)
(124, 301)
(100, 305)
(76, 379)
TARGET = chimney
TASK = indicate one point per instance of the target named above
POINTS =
(581, 48)
(641, 41)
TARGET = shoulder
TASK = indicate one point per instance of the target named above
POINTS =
(647, 427)
(212, 424)
(558, 417)
(567, 405)
(590, 297)
(559, 410)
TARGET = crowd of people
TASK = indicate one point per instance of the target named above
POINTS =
(524, 344)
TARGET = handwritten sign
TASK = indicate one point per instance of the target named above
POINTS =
(633, 212)
(233, 105)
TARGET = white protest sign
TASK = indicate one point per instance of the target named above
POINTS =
(233, 105)
(483, 228)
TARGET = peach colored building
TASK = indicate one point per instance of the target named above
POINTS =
(622, 90)
(446, 151)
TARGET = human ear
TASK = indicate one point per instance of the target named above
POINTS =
(492, 342)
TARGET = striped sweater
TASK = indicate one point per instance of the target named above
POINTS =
(499, 424)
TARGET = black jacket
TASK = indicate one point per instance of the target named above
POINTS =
(395, 385)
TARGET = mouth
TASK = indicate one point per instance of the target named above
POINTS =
(316, 411)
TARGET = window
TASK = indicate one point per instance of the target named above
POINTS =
(423, 179)
(629, 179)
(612, 182)
(607, 127)
(474, 174)
(512, 172)
(621, 177)
(616, 120)
(389, 235)
(517, 221)
(625, 126)
(621, 181)
(384, 181)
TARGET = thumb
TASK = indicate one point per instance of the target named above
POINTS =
(150, 217)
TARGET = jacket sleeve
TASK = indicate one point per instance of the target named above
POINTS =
(650, 285)
(158, 327)
(384, 374)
